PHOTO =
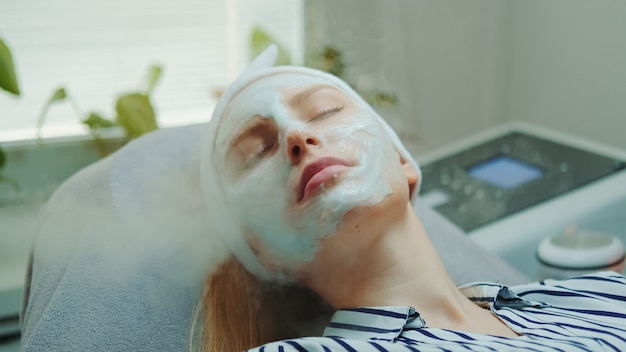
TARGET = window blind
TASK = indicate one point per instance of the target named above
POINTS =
(99, 50)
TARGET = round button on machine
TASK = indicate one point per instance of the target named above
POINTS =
(577, 252)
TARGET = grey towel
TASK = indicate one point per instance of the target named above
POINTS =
(123, 248)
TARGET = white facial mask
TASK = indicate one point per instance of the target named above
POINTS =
(264, 200)
(259, 204)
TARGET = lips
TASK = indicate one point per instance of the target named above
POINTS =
(317, 173)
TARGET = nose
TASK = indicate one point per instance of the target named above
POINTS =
(298, 144)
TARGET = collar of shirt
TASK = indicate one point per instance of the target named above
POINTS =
(387, 323)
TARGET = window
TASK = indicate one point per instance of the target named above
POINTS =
(98, 50)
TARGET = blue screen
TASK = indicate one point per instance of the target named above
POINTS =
(505, 172)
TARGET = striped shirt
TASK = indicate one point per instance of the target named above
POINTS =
(586, 313)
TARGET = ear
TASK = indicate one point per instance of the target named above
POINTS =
(412, 176)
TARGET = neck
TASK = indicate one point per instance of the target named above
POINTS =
(399, 266)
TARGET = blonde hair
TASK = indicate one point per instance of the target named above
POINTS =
(239, 311)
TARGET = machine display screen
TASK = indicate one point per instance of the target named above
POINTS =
(505, 172)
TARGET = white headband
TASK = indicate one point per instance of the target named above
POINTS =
(221, 219)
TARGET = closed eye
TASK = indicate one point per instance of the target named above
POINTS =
(259, 146)
(265, 148)
(258, 139)
(327, 112)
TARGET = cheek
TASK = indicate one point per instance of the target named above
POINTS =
(262, 196)
(265, 185)
(361, 134)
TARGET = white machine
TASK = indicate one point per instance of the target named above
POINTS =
(510, 187)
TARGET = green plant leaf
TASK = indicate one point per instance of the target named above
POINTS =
(260, 40)
(154, 74)
(58, 95)
(135, 114)
(5, 179)
(3, 158)
(332, 61)
(11, 181)
(8, 78)
(97, 122)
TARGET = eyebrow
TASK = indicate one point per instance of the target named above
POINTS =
(298, 98)
(254, 124)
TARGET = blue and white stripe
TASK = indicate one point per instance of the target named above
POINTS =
(586, 313)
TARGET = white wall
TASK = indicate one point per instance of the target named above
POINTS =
(440, 58)
(459, 67)
(568, 67)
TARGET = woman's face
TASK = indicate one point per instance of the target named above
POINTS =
(296, 154)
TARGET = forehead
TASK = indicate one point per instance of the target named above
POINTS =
(265, 97)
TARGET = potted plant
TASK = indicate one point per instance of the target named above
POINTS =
(8, 83)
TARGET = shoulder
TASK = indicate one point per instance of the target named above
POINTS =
(606, 286)
(594, 281)
(294, 345)
(315, 344)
